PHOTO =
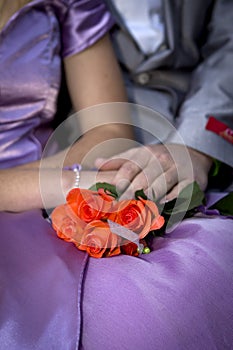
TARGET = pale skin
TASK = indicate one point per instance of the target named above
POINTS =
(19, 186)
(160, 170)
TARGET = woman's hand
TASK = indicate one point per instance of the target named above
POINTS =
(160, 170)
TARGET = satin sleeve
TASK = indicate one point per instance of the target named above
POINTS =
(82, 22)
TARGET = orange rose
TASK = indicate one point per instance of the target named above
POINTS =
(140, 216)
(89, 205)
(68, 227)
(98, 241)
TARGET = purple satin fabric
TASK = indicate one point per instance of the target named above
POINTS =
(31, 47)
(178, 297)
(86, 16)
(52, 296)
(40, 285)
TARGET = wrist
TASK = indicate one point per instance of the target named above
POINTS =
(71, 177)
(68, 180)
(203, 158)
(76, 169)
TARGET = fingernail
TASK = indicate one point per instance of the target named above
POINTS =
(166, 200)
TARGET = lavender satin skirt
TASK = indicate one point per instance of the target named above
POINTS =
(180, 296)
(40, 285)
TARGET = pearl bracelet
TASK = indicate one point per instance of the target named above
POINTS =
(76, 168)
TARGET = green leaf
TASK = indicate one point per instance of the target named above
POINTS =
(140, 194)
(183, 206)
(188, 199)
(224, 205)
(111, 189)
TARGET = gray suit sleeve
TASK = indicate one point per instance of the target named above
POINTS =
(211, 89)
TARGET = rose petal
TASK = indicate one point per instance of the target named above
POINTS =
(157, 223)
(97, 234)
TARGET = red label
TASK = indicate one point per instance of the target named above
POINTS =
(220, 129)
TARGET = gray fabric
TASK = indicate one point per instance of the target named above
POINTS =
(144, 22)
(194, 72)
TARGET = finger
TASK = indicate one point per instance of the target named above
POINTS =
(162, 184)
(130, 169)
(165, 159)
(125, 175)
(144, 179)
(115, 162)
(109, 164)
(140, 182)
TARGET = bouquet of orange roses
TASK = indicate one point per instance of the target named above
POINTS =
(97, 222)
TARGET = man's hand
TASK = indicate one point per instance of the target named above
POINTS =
(160, 170)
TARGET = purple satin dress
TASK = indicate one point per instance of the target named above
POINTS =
(52, 296)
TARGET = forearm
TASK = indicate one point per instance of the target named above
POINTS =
(31, 188)
(23, 189)
(103, 141)
(99, 97)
